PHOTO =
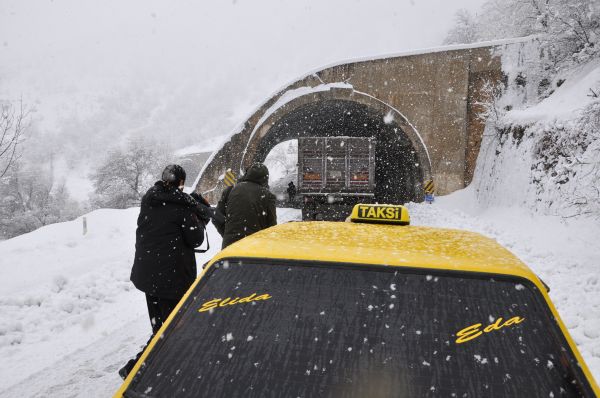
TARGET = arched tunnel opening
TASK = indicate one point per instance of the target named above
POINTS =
(398, 173)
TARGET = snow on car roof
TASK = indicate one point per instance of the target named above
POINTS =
(410, 246)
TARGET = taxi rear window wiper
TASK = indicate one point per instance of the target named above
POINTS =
(545, 285)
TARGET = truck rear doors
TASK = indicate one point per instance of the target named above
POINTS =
(336, 165)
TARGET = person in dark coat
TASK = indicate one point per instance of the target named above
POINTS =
(170, 225)
(248, 206)
(291, 190)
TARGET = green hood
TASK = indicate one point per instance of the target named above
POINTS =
(257, 173)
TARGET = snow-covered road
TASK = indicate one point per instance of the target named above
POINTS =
(69, 317)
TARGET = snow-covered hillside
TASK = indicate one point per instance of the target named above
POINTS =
(541, 149)
(70, 317)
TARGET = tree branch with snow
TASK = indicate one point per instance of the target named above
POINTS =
(14, 121)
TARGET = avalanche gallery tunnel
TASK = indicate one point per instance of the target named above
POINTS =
(398, 175)
(423, 109)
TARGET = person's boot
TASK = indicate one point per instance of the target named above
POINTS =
(124, 371)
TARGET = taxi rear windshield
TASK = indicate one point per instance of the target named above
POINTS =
(267, 329)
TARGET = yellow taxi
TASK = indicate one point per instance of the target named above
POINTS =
(373, 307)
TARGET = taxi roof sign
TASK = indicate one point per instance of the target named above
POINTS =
(380, 214)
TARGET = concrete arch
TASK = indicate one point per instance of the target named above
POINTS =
(433, 98)
(346, 94)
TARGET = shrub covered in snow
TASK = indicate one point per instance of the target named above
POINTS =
(541, 147)
(127, 173)
(568, 30)
(566, 164)
(31, 197)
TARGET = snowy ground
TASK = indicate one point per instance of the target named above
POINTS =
(69, 317)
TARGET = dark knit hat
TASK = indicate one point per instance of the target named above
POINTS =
(173, 173)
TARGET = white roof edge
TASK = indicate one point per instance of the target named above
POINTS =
(426, 50)
(314, 71)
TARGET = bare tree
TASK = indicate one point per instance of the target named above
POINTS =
(126, 173)
(13, 123)
(31, 198)
(492, 107)
(282, 159)
(464, 30)
(568, 30)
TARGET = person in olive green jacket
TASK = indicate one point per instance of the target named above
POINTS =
(248, 206)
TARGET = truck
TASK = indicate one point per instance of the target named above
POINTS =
(334, 174)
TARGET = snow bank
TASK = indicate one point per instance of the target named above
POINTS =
(62, 292)
(60, 289)
(567, 102)
(38, 257)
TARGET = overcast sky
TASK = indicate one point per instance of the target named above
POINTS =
(190, 69)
